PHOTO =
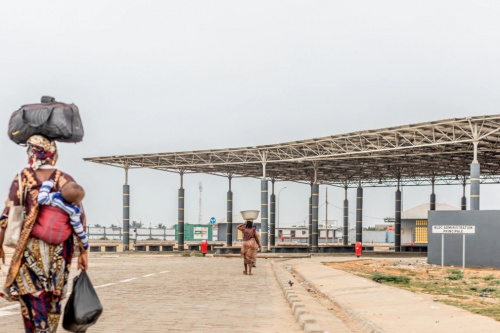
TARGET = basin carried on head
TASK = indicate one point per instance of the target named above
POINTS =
(250, 215)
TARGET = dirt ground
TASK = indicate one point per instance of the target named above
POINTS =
(476, 290)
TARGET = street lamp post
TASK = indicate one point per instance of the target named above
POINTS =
(278, 224)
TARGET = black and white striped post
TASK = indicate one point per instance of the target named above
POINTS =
(315, 229)
(126, 213)
(229, 216)
(474, 180)
(464, 198)
(264, 205)
(397, 222)
(180, 214)
(346, 219)
(433, 195)
(359, 214)
(272, 220)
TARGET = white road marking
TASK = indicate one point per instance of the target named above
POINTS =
(7, 313)
(104, 285)
(127, 280)
(4, 313)
(5, 310)
(9, 307)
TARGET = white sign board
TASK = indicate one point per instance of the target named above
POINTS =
(453, 229)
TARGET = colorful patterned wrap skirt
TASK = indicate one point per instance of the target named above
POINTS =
(41, 283)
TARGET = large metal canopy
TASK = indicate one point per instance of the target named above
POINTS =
(416, 154)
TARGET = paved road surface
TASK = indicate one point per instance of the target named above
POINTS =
(159, 293)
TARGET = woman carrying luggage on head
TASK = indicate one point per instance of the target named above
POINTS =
(251, 242)
(38, 273)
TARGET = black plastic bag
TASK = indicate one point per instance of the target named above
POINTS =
(83, 307)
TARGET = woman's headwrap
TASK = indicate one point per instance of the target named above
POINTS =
(41, 151)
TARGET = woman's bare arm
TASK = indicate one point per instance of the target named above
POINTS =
(257, 238)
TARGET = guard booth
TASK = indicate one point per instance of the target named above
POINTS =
(414, 226)
(195, 232)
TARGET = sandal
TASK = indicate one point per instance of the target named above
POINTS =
(245, 273)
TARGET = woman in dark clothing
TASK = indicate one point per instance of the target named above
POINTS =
(38, 273)
(251, 242)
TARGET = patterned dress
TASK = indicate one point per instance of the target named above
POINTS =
(38, 273)
(249, 248)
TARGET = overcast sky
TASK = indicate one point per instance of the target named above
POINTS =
(164, 76)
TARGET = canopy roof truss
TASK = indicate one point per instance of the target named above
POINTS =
(415, 154)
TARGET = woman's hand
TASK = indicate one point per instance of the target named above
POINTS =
(2, 254)
(83, 263)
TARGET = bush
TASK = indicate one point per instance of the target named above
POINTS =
(378, 277)
(489, 277)
(454, 271)
(459, 276)
(104, 238)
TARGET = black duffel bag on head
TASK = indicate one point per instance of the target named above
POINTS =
(54, 120)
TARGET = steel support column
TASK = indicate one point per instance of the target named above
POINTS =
(180, 218)
(474, 185)
(315, 230)
(359, 215)
(272, 220)
(433, 196)
(229, 216)
(126, 217)
(264, 205)
(397, 222)
(464, 198)
(346, 219)
(180, 226)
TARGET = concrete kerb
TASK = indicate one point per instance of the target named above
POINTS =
(302, 316)
(362, 321)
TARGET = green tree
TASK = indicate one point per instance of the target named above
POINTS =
(136, 225)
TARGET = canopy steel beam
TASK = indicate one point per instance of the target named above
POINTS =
(377, 157)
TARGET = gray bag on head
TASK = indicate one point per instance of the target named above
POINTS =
(54, 120)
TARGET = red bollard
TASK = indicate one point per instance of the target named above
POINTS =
(282, 238)
(204, 245)
(358, 249)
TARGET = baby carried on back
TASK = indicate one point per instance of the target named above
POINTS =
(59, 208)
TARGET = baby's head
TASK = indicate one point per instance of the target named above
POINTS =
(73, 193)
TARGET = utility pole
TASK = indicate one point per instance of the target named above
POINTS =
(200, 186)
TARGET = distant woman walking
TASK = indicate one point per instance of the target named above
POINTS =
(39, 271)
(251, 242)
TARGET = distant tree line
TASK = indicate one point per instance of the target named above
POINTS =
(134, 225)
